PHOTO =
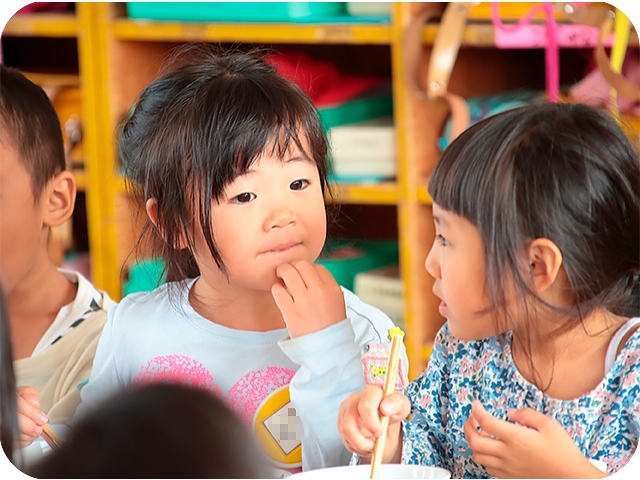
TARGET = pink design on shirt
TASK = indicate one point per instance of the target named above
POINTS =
(247, 394)
(176, 369)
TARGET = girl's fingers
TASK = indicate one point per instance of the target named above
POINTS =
(308, 274)
(369, 409)
(494, 464)
(530, 418)
(493, 426)
(479, 442)
(291, 279)
(30, 394)
(282, 297)
(397, 406)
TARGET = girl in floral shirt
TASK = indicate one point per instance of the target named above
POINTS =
(536, 372)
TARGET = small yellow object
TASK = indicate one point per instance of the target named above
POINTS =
(395, 331)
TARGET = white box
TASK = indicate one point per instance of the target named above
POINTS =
(362, 9)
(382, 288)
(363, 151)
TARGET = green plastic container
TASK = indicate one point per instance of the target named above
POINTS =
(236, 11)
(144, 276)
(345, 259)
(355, 111)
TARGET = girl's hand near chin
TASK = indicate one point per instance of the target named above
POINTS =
(309, 298)
(536, 447)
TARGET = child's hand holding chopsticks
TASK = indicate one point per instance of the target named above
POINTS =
(360, 422)
(30, 417)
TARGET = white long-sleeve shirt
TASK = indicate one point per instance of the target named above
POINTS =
(158, 336)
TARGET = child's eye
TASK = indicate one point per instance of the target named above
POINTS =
(441, 240)
(299, 184)
(244, 197)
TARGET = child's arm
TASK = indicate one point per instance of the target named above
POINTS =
(30, 417)
(359, 422)
(537, 448)
(327, 346)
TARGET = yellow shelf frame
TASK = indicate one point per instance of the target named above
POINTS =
(384, 193)
(481, 34)
(126, 29)
(62, 25)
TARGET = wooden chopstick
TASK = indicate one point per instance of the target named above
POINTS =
(395, 334)
(51, 437)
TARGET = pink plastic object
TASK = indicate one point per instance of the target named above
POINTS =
(594, 90)
(550, 43)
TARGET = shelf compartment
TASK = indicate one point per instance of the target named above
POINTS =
(126, 29)
(482, 34)
(384, 193)
(62, 25)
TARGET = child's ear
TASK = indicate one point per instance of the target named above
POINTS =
(60, 199)
(152, 210)
(545, 261)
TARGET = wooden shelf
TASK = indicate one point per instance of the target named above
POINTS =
(385, 193)
(42, 25)
(482, 34)
(81, 179)
(144, 30)
(423, 196)
(475, 34)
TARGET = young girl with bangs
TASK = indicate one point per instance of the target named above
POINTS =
(536, 372)
(228, 158)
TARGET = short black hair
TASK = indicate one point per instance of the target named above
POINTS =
(566, 172)
(31, 126)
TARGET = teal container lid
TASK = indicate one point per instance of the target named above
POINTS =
(236, 11)
(356, 111)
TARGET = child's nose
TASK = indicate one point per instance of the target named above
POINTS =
(280, 216)
(431, 264)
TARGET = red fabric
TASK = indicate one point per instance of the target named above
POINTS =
(321, 80)
(46, 7)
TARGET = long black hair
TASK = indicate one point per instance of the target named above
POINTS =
(565, 172)
(197, 128)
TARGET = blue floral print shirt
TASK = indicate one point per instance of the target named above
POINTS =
(604, 422)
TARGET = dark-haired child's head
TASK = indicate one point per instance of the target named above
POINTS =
(37, 191)
(158, 431)
(210, 127)
(30, 126)
(554, 180)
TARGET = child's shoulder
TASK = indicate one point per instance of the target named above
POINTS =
(164, 299)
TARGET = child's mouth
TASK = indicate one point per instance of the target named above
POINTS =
(442, 308)
(283, 247)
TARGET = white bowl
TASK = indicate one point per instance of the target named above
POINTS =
(394, 471)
